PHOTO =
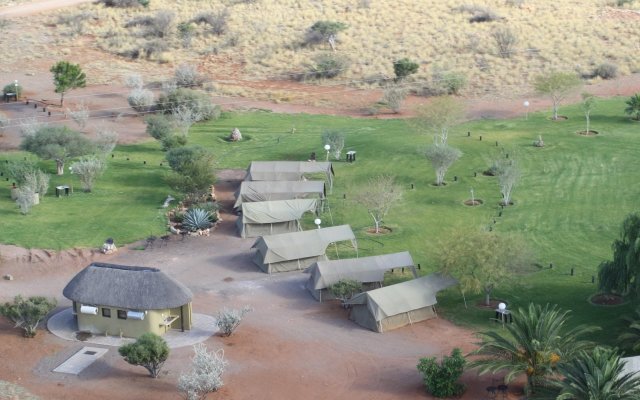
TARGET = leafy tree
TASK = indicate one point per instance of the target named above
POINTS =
(622, 274)
(67, 76)
(345, 289)
(323, 31)
(404, 67)
(633, 106)
(149, 351)
(439, 116)
(184, 118)
(27, 313)
(536, 341)
(206, 374)
(57, 143)
(587, 105)
(556, 85)
(380, 194)
(441, 380)
(335, 139)
(481, 260)
(173, 140)
(18, 170)
(87, 170)
(441, 156)
(12, 88)
(192, 170)
(593, 375)
(229, 319)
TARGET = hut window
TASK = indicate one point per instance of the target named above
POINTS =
(122, 314)
(106, 312)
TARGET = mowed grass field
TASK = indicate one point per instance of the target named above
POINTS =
(569, 203)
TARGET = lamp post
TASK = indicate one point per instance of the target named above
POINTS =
(327, 148)
(317, 221)
(526, 107)
(15, 84)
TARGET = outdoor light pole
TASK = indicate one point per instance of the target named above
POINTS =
(15, 83)
(327, 148)
(317, 221)
(526, 107)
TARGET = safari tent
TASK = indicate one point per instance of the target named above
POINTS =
(368, 270)
(255, 191)
(289, 171)
(273, 217)
(398, 305)
(297, 250)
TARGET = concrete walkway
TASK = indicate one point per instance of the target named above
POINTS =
(63, 325)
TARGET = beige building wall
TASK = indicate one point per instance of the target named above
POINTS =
(108, 322)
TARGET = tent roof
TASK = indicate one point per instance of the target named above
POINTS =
(251, 191)
(297, 245)
(286, 170)
(403, 297)
(271, 212)
(365, 269)
(136, 288)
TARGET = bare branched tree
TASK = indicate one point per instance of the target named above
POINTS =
(439, 116)
(185, 117)
(87, 170)
(335, 139)
(79, 115)
(441, 156)
(134, 81)
(393, 97)
(508, 175)
(380, 194)
(106, 140)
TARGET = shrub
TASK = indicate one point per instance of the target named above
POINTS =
(87, 170)
(27, 314)
(38, 182)
(158, 126)
(606, 71)
(173, 141)
(481, 14)
(4, 121)
(441, 380)
(18, 170)
(106, 140)
(539, 142)
(162, 24)
(153, 47)
(187, 75)
(199, 102)
(328, 66)
(193, 170)
(344, 289)
(229, 319)
(141, 100)
(124, 3)
(404, 67)
(505, 40)
(80, 115)
(205, 375)
(11, 88)
(210, 206)
(25, 199)
(197, 219)
(149, 351)
(633, 106)
(393, 97)
(134, 81)
(216, 21)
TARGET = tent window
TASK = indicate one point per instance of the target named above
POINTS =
(122, 314)
(106, 312)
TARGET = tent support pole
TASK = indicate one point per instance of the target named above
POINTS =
(409, 316)
(336, 246)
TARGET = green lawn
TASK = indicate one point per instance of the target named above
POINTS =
(569, 203)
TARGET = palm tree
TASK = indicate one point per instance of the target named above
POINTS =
(537, 341)
(595, 375)
(633, 106)
(622, 274)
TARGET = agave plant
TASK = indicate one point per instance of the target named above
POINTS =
(196, 218)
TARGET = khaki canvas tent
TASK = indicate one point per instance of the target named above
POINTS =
(368, 270)
(273, 217)
(398, 305)
(253, 191)
(298, 250)
(288, 171)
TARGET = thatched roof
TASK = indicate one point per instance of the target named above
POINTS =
(134, 288)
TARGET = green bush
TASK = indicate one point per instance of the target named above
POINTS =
(198, 102)
(173, 141)
(405, 67)
(158, 126)
(344, 289)
(441, 380)
(606, 71)
(149, 351)
(322, 30)
(11, 88)
(328, 66)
